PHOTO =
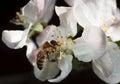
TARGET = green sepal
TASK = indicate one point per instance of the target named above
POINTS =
(57, 54)
(68, 52)
(37, 27)
(118, 43)
(69, 43)
(76, 64)
(44, 24)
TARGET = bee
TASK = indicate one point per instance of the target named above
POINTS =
(41, 59)
(44, 52)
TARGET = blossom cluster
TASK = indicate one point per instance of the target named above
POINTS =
(55, 47)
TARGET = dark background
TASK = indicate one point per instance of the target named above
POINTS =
(14, 66)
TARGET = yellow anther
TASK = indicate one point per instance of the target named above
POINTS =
(67, 35)
(72, 42)
(113, 19)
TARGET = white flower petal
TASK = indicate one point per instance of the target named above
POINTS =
(65, 65)
(12, 38)
(114, 77)
(24, 37)
(91, 45)
(61, 10)
(94, 12)
(29, 11)
(49, 71)
(83, 14)
(46, 35)
(48, 11)
(50, 33)
(31, 52)
(104, 65)
(105, 11)
(67, 20)
(15, 38)
(83, 51)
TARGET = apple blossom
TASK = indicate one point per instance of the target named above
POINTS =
(66, 45)
(99, 14)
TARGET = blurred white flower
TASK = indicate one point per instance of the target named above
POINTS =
(102, 13)
(107, 67)
(99, 14)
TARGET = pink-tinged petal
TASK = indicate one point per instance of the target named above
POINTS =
(40, 6)
(114, 76)
(68, 22)
(48, 72)
(38, 10)
(91, 45)
(12, 38)
(65, 65)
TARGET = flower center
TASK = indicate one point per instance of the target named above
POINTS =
(63, 43)
(54, 49)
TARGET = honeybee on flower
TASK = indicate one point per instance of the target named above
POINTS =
(56, 47)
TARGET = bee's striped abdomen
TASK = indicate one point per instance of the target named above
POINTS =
(41, 59)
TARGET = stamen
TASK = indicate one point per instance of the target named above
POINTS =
(67, 35)
(113, 19)
(105, 28)
(73, 42)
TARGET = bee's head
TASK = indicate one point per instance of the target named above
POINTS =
(53, 43)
